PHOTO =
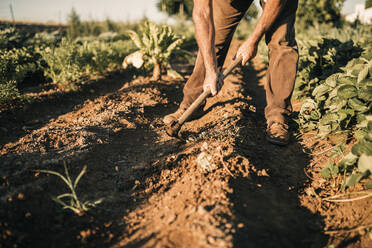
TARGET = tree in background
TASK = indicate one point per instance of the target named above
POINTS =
(313, 12)
(176, 7)
(74, 24)
(184, 8)
(368, 4)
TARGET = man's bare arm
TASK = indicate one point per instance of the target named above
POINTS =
(205, 33)
(248, 49)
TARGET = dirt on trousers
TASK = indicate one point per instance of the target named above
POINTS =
(223, 185)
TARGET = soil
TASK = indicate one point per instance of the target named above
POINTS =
(156, 190)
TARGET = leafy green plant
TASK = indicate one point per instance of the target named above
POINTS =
(335, 78)
(15, 65)
(319, 60)
(68, 62)
(156, 45)
(341, 100)
(74, 202)
(10, 38)
(357, 164)
(63, 63)
(312, 12)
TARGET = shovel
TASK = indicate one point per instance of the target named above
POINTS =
(175, 127)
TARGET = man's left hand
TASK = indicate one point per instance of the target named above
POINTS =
(247, 50)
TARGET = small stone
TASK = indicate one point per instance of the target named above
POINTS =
(204, 160)
(171, 219)
(211, 240)
(264, 173)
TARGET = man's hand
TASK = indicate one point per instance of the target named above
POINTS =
(271, 11)
(213, 81)
(205, 34)
(247, 50)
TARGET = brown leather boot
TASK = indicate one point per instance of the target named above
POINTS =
(169, 119)
(277, 133)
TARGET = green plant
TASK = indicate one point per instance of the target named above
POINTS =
(10, 38)
(15, 65)
(176, 7)
(313, 12)
(156, 45)
(63, 63)
(70, 61)
(74, 25)
(74, 203)
(319, 60)
(368, 4)
(357, 164)
(335, 78)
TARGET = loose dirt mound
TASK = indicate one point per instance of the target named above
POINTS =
(222, 186)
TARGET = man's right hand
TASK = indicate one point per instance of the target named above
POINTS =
(213, 81)
(204, 33)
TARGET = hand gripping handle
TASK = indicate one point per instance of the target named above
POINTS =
(201, 98)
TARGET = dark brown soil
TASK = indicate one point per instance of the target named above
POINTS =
(156, 193)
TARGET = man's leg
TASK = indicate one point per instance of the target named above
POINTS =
(227, 15)
(281, 73)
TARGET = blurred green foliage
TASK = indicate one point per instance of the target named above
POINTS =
(313, 13)
(368, 4)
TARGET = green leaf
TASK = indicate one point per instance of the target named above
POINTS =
(136, 39)
(357, 105)
(346, 80)
(315, 115)
(82, 172)
(57, 174)
(347, 91)
(362, 147)
(320, 90)
(174, 74)
(365, 82)
(365, 93)
(324, 130)
(360, 134)
(353, 179)
(329, 117)
(329, 170)
(365, 163)
(349, 159)
(369, 125)
(368, 184)
(363, 73)
(356, 69)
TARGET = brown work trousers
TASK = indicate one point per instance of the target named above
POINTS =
(283, 55)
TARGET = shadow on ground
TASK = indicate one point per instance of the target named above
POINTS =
(266, 205)
(114, 167)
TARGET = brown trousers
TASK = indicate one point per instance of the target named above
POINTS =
(283, 55)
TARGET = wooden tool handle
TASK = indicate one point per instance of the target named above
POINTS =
(201, 98)
(231, 67)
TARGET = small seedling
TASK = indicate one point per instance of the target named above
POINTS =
(74, 204)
